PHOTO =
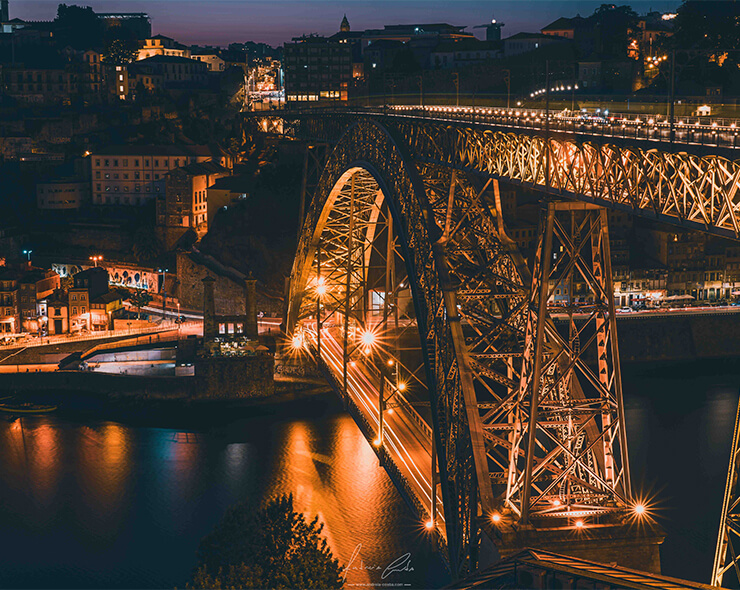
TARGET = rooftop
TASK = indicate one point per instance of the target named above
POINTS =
(201, 169)
(241, 184)
(565, 24)
(169, 59)
(519, 36)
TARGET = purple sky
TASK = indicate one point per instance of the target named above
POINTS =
(219, 22)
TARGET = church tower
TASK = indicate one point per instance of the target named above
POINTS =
(344, 27)
(5, 13)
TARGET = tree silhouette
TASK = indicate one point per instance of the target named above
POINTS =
(140, 298)
(77, 27)
(274, 547)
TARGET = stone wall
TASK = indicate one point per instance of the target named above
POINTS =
(228, 294)
(231, 378)
(686, 337)
(228, 289)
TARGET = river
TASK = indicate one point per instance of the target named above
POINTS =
(93, 499)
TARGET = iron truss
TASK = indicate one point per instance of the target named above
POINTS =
(726, 556)
(527, 432)
(698, 192)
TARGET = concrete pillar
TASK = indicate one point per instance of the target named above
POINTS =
(250, 306)
(209, 308)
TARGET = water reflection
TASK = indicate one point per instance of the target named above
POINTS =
(108, 504)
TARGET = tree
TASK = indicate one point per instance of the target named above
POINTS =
(121, 46)
(615, 26)
(274, 547)
(140, 298)
(77, 27)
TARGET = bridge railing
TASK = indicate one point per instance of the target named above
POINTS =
(702, 131)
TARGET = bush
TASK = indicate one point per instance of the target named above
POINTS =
(274, 547)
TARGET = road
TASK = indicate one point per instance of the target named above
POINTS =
(653, 128)
(408, 445)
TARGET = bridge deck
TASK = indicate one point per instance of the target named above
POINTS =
(407, 442)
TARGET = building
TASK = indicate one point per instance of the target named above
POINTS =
(211, 58)
(89, 286)
(38, 83)
(35, 286)
(137, 22)
(161, 45)
(133, 175)
(650, 28)
(526, 42)
(103, 309)
(10, 319)
(464, 52)
(178, 72)
(62, 194)
(117, 81)
(57, 312)
(184, 204)
(142, 75)
(317, 69)
(224, 192)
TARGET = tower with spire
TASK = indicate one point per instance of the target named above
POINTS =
(344, 27)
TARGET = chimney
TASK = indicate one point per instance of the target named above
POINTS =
(250, 306)
(4, 12)
(209, 308)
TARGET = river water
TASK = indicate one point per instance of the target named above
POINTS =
(110, 501)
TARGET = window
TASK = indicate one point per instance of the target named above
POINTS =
(74, 311)
(222, 328)
(82, 309)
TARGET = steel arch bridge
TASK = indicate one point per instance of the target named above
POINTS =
(500, 420)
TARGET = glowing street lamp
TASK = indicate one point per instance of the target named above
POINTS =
(96, 259)
(28, 254)
(367, 338)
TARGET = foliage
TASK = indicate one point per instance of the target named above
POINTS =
(140, 298)
(708, 25)
(78, 27)
(615, 26)
(121, 46)
(274, 547)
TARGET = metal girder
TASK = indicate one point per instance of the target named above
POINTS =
(687, 190)
(523, 427)
(726, 555)
(583, 464)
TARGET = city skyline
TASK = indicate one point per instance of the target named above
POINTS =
(232, 20)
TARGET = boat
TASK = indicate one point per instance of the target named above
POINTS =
(26, 408)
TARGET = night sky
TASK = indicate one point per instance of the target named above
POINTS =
(219, 22)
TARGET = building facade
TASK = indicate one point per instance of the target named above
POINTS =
(317, 69)
(133, 175)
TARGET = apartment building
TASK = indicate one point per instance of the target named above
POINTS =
(132, 175)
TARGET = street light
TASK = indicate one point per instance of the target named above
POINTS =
(96, 259)
(28, 254)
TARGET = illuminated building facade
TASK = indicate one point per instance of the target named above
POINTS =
(317, 69)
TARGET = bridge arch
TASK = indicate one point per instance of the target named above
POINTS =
(369, 178)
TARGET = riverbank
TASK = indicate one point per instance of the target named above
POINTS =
(99, 399)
